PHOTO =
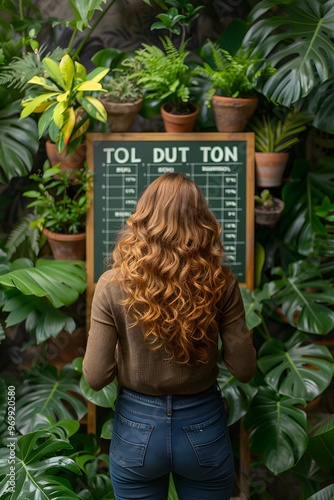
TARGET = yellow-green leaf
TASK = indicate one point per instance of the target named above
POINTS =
(69, 122)
(54, 72)
(94, 108)
(81, 130)
(32, 105)
(44, 82)
(67, 70)
(63, 97)
(97, 74)
(88, 86)
(58, 114)
(80, 71)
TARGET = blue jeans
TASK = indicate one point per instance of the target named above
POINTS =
(187, 436)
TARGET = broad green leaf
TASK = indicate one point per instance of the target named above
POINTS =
(58, 113)
(97, 74)
(68, 125)
(296, 368)
(36, 471)
(106, 397)
(88, 86)
(326, 493)
(303, 52)
(80, 71)
(321, 104)
(238, 395)
(321, 444)
(80, 131)
(54, 72)
(94, 108)
(107, 428)
(45, 120)
(278, 429)
(47, 392)
(291, 293)
(253, 304)
(44, 82)
(105, 57)
(84, 11)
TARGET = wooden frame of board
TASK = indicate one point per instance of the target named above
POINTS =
(93, 139)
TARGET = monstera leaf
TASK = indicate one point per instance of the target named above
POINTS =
(106, 397)
(60, 281)
(253, 304)
(298, 43)
(44, 391)
(296, 369)
(321, 104)
(324, 494)
(99, 487)
(238, 395)
(18, 140)
(321, 444)
(36, 466)
(278, 429)
(290, 292)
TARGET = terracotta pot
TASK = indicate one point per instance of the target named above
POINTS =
(269, 218)
(179, 123)
(269, 168)
(121, 115)
(72, 162)
(232, 114)
(67, 246)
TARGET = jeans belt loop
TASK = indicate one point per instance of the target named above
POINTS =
(169, 406)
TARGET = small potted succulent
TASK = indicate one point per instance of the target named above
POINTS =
(163, 75)
(232, 79)
(122, 101)
(60, 208)
(267, 209)
(274, 136)
(63, 99)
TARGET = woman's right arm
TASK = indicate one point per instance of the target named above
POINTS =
(238, 352)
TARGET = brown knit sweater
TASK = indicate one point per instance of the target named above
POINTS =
(115, 349)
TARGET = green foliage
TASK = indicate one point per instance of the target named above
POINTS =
(122, 89)
(59, 281)
(274, 134)
(63, 100)
(23, 235)
(18, 143)
(321, 444)
(296, 368)
(291, 293)
(164, 75)
(298, 42)
(321, 104)
(253, 304)
(278, 429)
(180, 13)
(83, 12)
(233, 76)
(326, 493)
(60, 205)
(265, 199)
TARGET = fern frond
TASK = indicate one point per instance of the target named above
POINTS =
(21, 232)
(22, 69)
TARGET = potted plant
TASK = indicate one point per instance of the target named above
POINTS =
(232, 79)
(61, 207)
(267, 209)
(165, 76)
(65, 109)
(122, 101)
(274, 135)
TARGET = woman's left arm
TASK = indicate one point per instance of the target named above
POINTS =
(99, 365)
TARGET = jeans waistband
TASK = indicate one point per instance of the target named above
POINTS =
(171, 402)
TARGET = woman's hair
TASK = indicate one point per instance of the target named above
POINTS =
(169, 258)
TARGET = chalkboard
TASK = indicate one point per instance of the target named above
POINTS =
(124, 164)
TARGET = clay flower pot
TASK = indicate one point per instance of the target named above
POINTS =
(269, 168)
(269, 217)
(72, 162)
(121, 115)
(232, 113)
(179, 123)
(67, 246)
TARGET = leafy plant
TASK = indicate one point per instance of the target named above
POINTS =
(36, 463)
(60, 206)
(63, 101)
(326, 493)
(164, 75)
(321, 444)
(320, 103)
(298, 42)
(121, 89)
(23, 235)
(274, 134)
(253, 304)
(18, 143)
(265, 199)
(232, 76)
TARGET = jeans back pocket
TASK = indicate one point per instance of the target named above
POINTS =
(129, 441)
(210, 440)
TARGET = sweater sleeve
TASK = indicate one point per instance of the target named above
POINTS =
(238, 352)
(99, 365)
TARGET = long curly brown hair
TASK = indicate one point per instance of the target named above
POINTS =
(169, 255)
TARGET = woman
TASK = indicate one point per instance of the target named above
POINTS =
(155, 323)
